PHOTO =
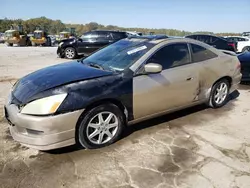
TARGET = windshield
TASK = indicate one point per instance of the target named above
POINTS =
(120, 55)
(38, 35)
(9, 34)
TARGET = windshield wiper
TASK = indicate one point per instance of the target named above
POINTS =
(81, 60)
(95, 65)
(90, 64)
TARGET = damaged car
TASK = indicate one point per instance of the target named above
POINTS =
(91, 101)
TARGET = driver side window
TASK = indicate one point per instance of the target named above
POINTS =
(171, 56)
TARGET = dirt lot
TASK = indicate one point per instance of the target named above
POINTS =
(194, 148)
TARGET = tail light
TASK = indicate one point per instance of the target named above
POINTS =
(233, 45)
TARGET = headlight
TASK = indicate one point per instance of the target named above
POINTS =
(60, 44)
(44, 106)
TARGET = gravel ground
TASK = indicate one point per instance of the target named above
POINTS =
(194, 148)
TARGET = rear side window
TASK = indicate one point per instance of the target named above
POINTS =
(119, 35)
(200, 53)
(171, 56)
(213, 39)
(203, 38)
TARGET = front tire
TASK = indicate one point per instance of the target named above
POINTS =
(219, 94)
(100, 127)
(70, 53)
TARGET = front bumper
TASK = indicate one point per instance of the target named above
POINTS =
(42, 132)
(60, 52)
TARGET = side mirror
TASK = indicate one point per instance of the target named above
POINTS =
(152, 68)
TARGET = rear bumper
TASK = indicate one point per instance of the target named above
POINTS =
(42, 133)
(235, 82)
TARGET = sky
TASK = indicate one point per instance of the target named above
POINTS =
(189, 15)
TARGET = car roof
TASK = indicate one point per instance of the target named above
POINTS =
(150, 37)
(157, 39)
(114, 31)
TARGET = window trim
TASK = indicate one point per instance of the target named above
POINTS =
(137, 72)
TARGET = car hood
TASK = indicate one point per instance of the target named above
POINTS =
(54, 76)
(244, 57)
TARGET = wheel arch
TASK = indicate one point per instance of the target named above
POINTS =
(228, 78)
(116, 102)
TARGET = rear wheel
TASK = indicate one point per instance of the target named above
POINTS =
(70, 53)
(246, 49)
(101, 126)
(219, 94)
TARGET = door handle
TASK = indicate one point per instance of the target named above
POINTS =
(190, 78)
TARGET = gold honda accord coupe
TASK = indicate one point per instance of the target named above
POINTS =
(90, 101)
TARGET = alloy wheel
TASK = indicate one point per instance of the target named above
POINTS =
(102, 128)
(70, 53)
(221, 93)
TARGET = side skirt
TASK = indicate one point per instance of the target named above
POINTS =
(165, 112)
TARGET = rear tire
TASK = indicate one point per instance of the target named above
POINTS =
(70, 53)
(246, 49)
(100, 126)
(219, 94)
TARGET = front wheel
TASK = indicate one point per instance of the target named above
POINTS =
(70, 53)
(101, 126)
(219, 94)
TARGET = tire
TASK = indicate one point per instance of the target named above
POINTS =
(246, 49)
(9, 44)
(33, 44)
(70, 53)
(219, 95)
(84, 130)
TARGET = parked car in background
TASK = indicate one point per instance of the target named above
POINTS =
(88, 43)
(91, 101)
(243, 43)
(217, 42)
(245, 66)
(53, 39)
(246, 34)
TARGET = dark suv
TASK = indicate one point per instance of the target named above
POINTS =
(217, 42)
(88, 43)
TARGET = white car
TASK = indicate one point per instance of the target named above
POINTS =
(243, 43)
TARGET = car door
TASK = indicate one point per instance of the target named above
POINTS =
(104, 38)
(87, 43)
(174, 87)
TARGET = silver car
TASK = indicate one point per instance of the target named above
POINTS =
(92, 100)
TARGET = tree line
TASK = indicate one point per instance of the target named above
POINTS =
(56, 26)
